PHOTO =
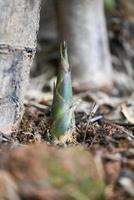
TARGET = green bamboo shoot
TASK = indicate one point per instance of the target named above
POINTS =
(62, 107)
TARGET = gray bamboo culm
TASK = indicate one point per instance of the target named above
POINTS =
(19, 21)
(82, 23)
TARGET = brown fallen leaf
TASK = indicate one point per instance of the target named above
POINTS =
(42, 172)
(128, 112)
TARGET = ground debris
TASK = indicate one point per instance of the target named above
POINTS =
(111, 144)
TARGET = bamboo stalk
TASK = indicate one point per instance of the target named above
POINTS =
(82, 23)
(19, 25)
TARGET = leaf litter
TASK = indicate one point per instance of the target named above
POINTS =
(109, 142)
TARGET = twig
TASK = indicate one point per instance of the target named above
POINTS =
(93, 110)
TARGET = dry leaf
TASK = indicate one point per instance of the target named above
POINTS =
(128, 112)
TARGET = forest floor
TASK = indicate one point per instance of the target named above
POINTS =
(104, 129)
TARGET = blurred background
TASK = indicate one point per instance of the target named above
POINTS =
(100, 42)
